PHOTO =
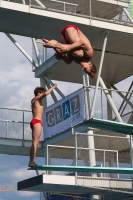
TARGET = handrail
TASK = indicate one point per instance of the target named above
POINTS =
(72, 4)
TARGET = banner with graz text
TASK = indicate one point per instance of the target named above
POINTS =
(64, 114)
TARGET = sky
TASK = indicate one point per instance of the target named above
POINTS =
(17, 83)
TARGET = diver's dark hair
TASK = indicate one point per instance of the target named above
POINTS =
(38, 90)
(93, 72)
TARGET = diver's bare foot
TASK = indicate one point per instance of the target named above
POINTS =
(32, 164)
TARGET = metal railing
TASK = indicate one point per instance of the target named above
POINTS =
(15, 124)
(44, 53)
(92, 8)
(103, 152)
(122, 100)
(65, 4)
(109, 151)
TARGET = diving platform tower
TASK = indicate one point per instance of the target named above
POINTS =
(109, 27)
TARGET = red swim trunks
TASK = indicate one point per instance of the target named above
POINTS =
(35, 121)
(68, 26)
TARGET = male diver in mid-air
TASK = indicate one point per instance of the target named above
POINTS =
(74, 46)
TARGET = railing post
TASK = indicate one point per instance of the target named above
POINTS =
(102, 105)
(46, 157)
(131, 157)
(117, 162)
(103, 161)
(23, 129)
(44, 54)
(6, 129)
(75, 156)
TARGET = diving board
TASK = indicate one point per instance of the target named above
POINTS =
(109, 125)
(83, 169)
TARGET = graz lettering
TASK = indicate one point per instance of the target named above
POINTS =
(69, 108)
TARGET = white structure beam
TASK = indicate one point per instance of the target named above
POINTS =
(110, 101)
(21, 49)
(57, 90)
(36, 51)
(98, 76)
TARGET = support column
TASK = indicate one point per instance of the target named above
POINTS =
(90, 139)
(131, 157)
(86, 94)
(44, 102)
(124, 97)
(52, 93)
(21, 49)
(98, 76)
(57, 90)
(36, 51)
(92, 157)
(128, 15)
(110, 101)
(109, 109)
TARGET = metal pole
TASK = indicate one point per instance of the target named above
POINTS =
(46, 157)
(103, 161)
(79, 150)
(124, 97)
(36, 51)
(40, 4)
(44, 54)
(21, 49)
(75, 156)
(52, 93)
(102, 104)
(85, 95)
(128, 15)
(110, 101)
(117, 162)
(6, 129)
(98, 76)
(23, 130)
(88, 93)
(120, 15)
(57, 90)
(131, 157)
(92, 157)
(109, 109)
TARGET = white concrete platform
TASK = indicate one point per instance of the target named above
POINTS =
(85, 185)
(116, 67)
(18, 147)
(23, 20)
